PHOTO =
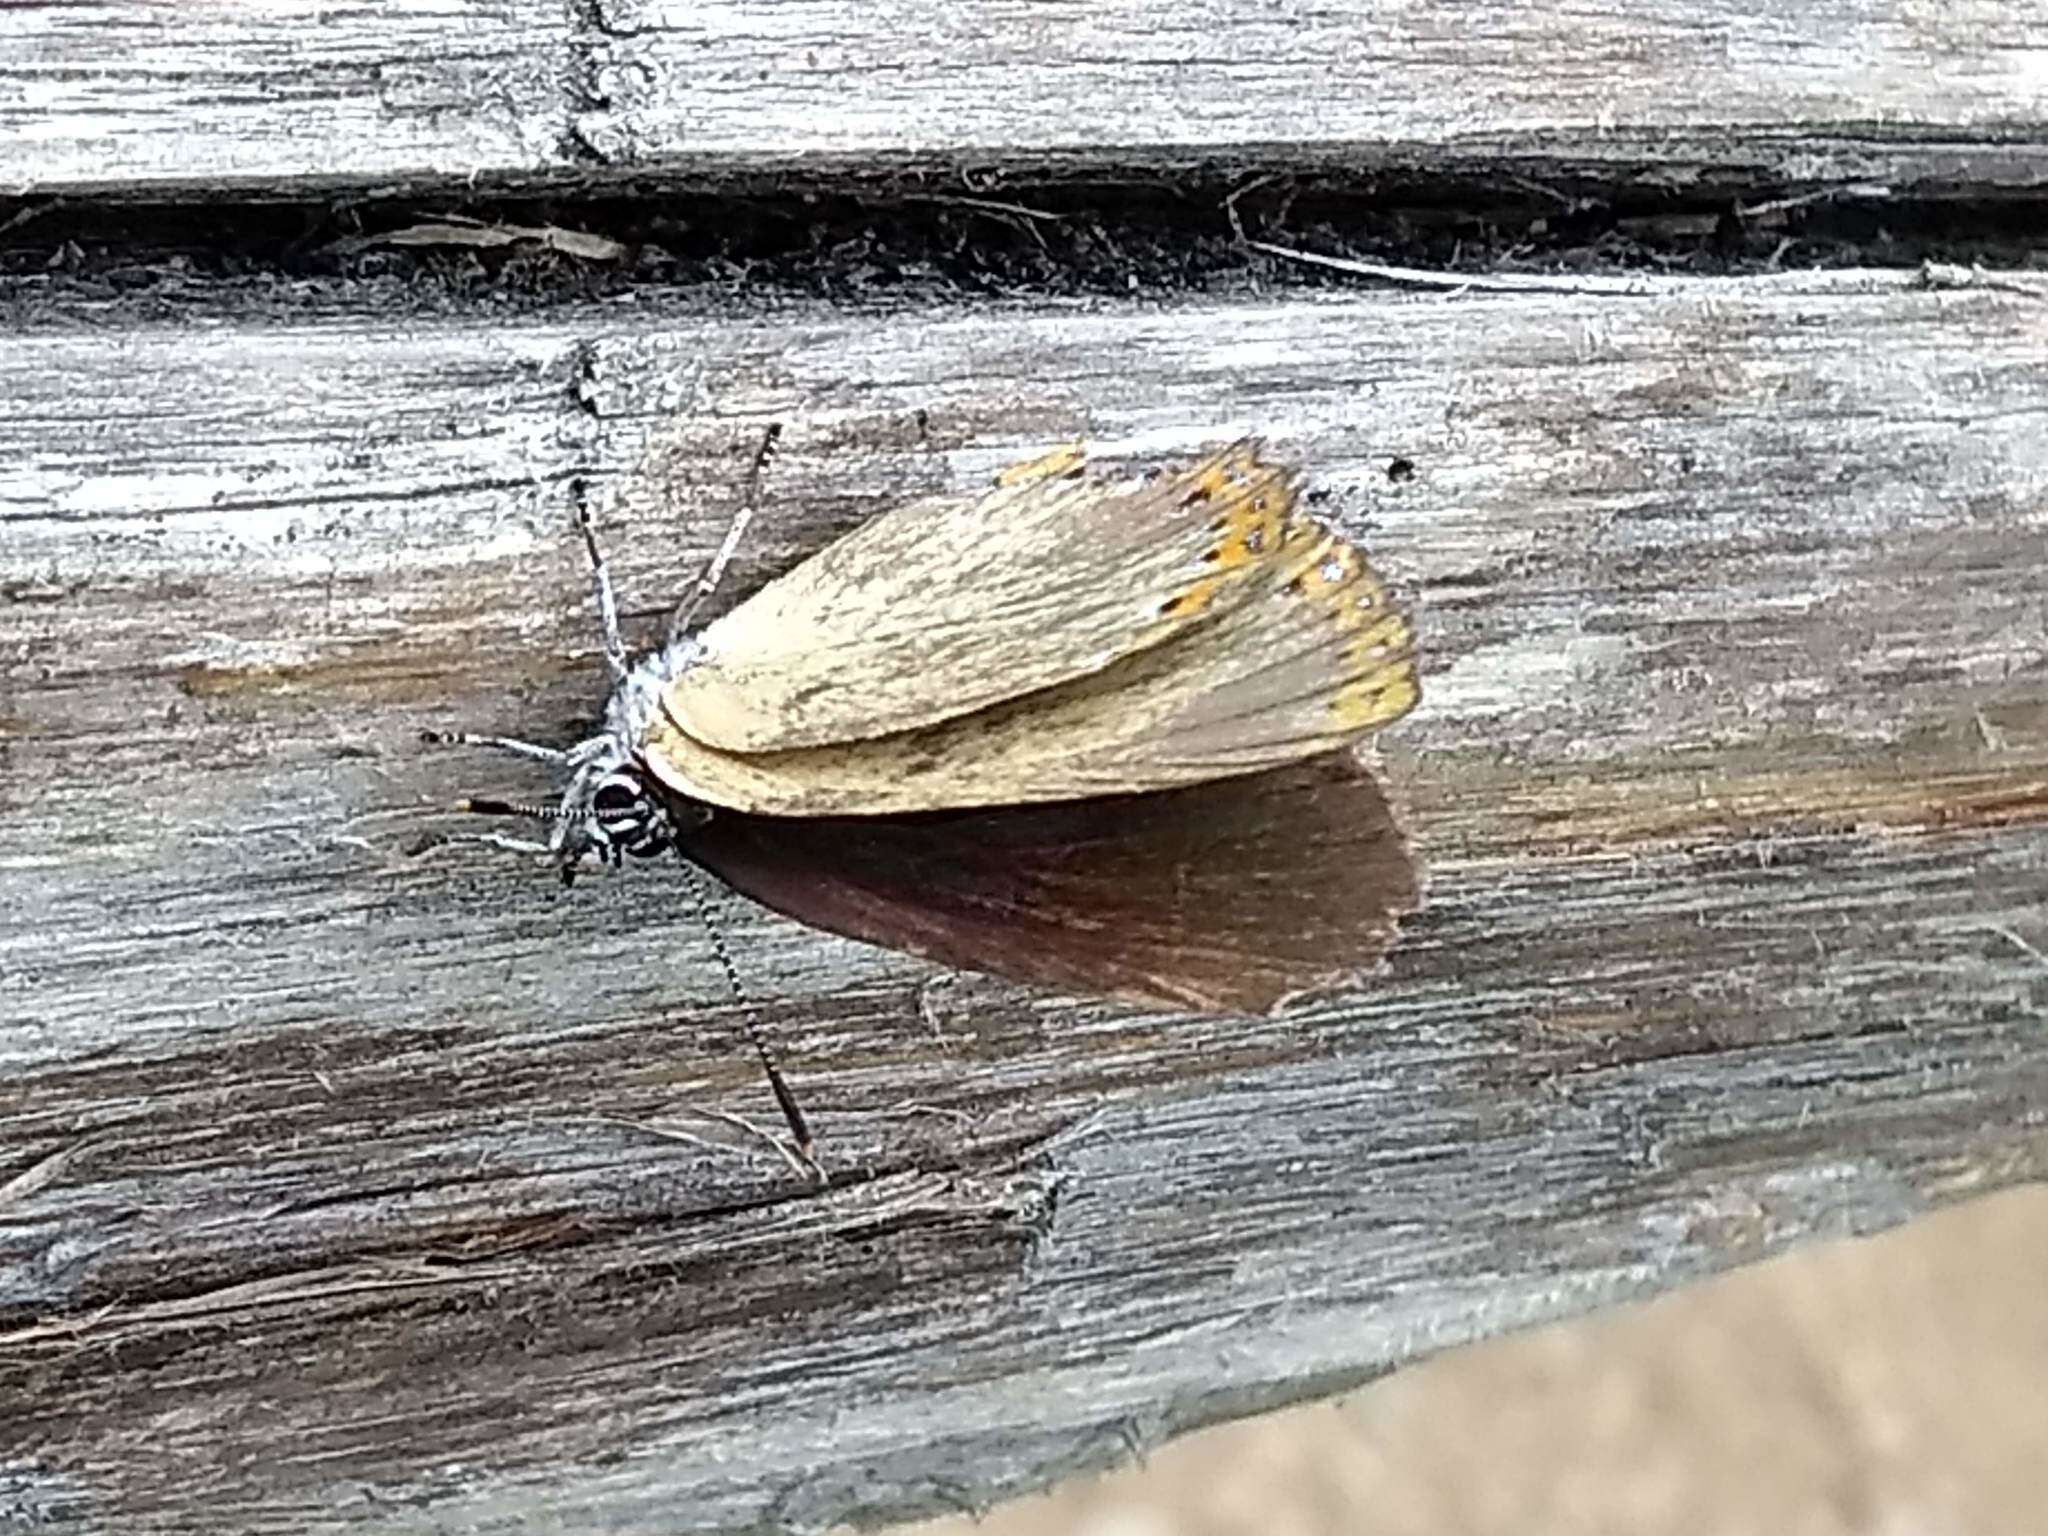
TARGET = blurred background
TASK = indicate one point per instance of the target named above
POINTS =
(1893, 1386)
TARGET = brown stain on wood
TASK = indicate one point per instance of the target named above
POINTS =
(385, 672)
(1481, 812)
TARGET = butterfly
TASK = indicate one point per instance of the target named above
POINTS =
(1084, 729)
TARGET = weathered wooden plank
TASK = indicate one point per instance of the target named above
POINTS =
(144, 96)
(281, 96)
(1807, 92)
(337, 1182)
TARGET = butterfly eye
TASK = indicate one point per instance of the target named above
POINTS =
(618, 798)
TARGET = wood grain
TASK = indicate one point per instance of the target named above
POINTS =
(1793, 91)
(182, 97)
(343, 1184)
(142, 97)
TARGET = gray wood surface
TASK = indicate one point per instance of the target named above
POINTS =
(340, 1184)
(163, 97)
(148, 97)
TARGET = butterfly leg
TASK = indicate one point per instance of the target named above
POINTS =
(498, 840)
(714, 570)
(792, 1112)
(607, 600)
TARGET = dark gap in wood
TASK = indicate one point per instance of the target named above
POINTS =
(977, 238)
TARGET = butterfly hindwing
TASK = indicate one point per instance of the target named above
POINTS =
(1226, 896)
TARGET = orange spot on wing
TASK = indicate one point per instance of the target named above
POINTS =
(1376, 698)
(1374, 646)
(1192, 599)
(1066, 460)
(1380, 643)
(1223, 476)
(1251, 531)
(1253, 526)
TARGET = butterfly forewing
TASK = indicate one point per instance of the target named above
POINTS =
(947, 605)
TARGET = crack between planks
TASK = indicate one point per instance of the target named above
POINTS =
(876, 232)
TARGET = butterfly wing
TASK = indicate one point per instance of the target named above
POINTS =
(942, 606)
(1308, 657)
(1228, 897)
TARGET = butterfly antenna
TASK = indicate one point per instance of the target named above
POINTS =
(792, 1112)
(714, 570)
(509, 744)
(607, 599)
(515, 808)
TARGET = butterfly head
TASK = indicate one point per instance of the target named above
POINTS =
(626, 817)
(611, 807)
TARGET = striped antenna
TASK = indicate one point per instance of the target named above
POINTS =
(515, 808)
